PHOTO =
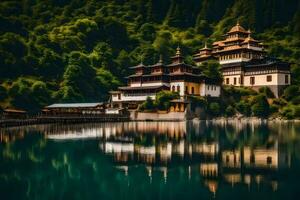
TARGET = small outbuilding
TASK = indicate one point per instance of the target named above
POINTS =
(74, 109)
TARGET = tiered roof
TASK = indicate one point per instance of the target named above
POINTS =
(236, 39)
(177, 68)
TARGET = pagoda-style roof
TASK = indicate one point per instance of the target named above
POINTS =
(235, 48)
(205, 48)
(182, 64)
(249, 40)
(75, 105)
(258, 63)
(144, 87)
(267, 62)
(186, 73)
(141, 65)
(147, 75)
(219, 43)
(134, 75)
(157, 65)
(238, 29)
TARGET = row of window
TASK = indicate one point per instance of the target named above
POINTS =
(239, 55)
(192, 91)
(234, 81)
(177, 89)
(252, 80)
(212, 87)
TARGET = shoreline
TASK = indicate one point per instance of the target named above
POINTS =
(218, 120)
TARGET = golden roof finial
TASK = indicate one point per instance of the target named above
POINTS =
(238, 22)
(205, 46)
(178, 51)
(160, 59)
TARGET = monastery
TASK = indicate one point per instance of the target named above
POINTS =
(243, 61)
(177, 77)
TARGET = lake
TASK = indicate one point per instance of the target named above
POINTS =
(151, 160)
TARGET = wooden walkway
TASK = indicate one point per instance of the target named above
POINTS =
(63, 120)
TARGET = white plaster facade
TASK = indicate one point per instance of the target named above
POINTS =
(268, 79)
(122, 97)
(210, 90)
(232, 80)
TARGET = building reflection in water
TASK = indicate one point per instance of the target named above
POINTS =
(234, 154)
(160, 146)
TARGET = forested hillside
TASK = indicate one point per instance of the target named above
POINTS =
(75, 50)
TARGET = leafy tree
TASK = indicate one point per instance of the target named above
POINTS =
(78, 79)
(260, 107)
(212, 70)
(163, 98)
(291, 92)
(148, 32)
(267, 92)
(214, 108)
(198, 102)
(230, 111)
(148, 104)
(244, 108)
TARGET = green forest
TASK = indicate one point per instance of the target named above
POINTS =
(76, 51)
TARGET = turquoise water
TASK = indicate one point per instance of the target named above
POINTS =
(151, 160)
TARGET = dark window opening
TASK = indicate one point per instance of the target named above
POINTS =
(269, 160)
(252, 80)
(286, 79)
(227, 81)
(252, 159)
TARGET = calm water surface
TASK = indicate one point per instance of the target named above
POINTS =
(151, 160)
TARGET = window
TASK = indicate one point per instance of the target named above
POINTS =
(227, 81)
(119, 96)
(192, 90)
(234, 81)
(186, 90)
(269, 78)
(269, 160)
(252, 80)
(252, 159)
(286, 79)
(173, 88)
(178, 88)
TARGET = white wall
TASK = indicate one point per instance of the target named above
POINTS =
(210, 90)
(154, 84)
(133, 98)
(182, 87)
(261, 80)
(281, 79)
(231, 79)
(233, 60)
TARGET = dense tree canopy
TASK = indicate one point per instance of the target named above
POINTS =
(78, 50)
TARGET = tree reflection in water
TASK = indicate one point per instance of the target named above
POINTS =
(152, 160)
